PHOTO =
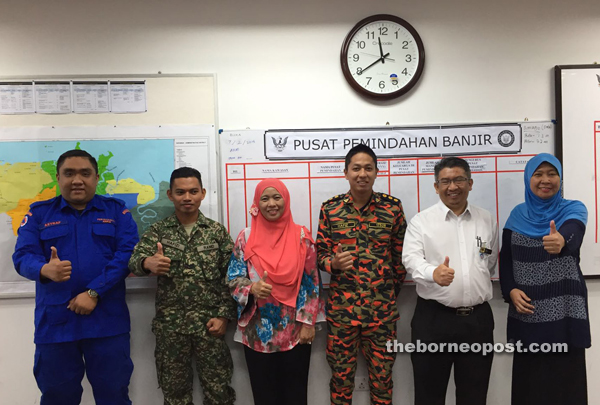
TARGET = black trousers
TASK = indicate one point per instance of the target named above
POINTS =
(435, 323)
(549, 378)
(279, 378)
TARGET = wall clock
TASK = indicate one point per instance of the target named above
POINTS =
(382, 57)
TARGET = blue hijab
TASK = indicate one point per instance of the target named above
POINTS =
(532, 218)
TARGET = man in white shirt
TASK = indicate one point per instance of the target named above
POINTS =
(451, 249)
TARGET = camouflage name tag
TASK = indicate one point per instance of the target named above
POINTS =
(337, 226)
(380, 225)
(170, 243)
(210, 246)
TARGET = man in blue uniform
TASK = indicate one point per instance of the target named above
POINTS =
(76, 248)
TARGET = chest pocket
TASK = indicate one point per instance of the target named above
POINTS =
(344, 231)
(482, 250)
(50, 233)
(104, 237)
(208, 253)
(380, 233)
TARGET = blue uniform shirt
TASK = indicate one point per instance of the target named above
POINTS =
(98, 242)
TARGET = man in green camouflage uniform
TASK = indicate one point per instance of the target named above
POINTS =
(360, 244)
(189, 253)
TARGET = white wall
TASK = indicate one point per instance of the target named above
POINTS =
(277, 66)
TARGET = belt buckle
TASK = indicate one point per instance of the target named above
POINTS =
(464, 311)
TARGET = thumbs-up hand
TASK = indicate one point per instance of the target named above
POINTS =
(158, 264)
(261, 289)
(342, 260)
(444, 274)
(554, 242)
(56, 270)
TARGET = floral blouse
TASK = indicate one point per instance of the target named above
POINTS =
(266, 325)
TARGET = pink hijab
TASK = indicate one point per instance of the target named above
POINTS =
(275, 246)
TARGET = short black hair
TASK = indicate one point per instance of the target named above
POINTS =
(76, 153)
(450, 162)
(360, 148)
(184, 172)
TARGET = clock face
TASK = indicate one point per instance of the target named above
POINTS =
(383, 57)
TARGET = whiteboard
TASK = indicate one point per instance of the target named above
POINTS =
(178, 129)
(497, 179)
(578, 129)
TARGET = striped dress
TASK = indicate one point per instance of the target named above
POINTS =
(554, 283)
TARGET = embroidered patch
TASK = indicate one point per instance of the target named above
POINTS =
(336, 226)
(211, 246)
(170, 243)
(380, 225)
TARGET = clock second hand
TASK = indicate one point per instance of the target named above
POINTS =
(370, 54)
(381, 59)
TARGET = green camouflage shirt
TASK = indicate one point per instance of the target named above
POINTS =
(366, 294)
(195, 289)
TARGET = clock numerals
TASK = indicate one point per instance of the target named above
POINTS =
(361, 44)
(404, 44)
(382, 84)
(405, 72)
(370, 35)
(359, 71)
(355, 57)
(369, 80)
(383, 31)
(408, 58)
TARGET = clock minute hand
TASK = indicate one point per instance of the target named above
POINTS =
(381, 59)
(381, 50)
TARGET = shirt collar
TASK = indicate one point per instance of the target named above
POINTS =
(95, 203)
(172, 220)
(375, 198)
(446, 212)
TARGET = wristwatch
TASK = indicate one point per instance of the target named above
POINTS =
(92, 293)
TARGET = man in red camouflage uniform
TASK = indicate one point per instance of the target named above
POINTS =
(360, 244)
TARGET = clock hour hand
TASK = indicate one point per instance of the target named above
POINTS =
(381, 50)
(374, 63)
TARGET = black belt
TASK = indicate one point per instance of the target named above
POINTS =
(459, 311)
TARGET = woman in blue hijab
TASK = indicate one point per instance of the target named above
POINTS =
(543, 284)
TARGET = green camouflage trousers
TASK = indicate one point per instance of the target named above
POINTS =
(174, 353)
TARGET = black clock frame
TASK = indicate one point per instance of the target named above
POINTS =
(344, 57)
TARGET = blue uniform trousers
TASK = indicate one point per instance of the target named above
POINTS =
(59, 369)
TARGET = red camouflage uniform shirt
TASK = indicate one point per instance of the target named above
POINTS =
(365, 295)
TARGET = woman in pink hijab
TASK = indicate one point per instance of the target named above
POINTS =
(274, 279)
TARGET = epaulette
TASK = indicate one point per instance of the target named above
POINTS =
(390, 199)
(111, 200)
(334, 199)
(40, 203)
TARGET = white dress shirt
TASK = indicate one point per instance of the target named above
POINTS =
(436, 233)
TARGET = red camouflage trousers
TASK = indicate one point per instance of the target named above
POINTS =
(343, 342)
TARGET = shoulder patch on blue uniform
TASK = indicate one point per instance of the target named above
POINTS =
(26, 218)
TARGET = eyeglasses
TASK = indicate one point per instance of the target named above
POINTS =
(459, 181)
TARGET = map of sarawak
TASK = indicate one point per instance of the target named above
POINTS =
(135, 171)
